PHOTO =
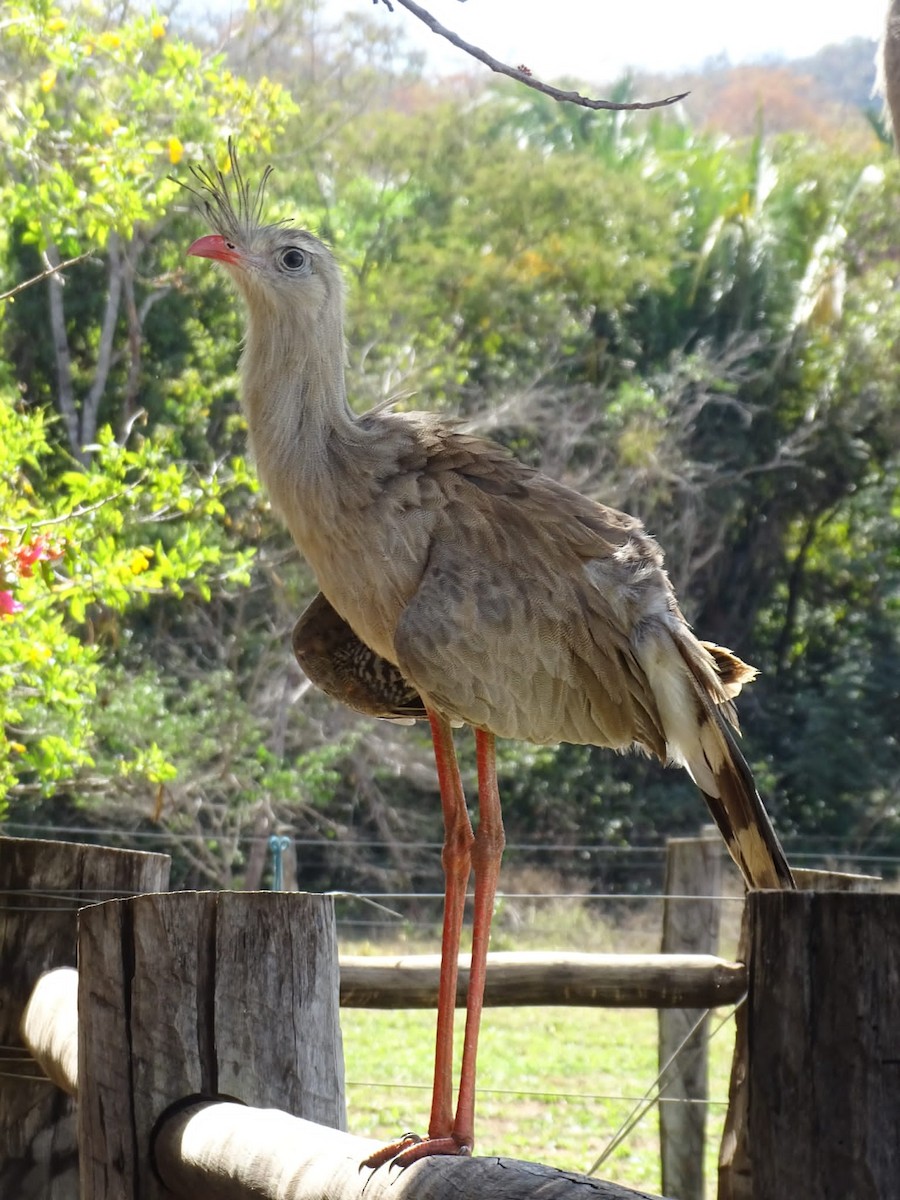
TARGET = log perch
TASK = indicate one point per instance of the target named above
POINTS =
(224, 1151)
(50, 1027)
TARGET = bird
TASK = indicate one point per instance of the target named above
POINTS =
(460, 586)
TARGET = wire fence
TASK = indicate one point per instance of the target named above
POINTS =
(810, 848)
(550, 917)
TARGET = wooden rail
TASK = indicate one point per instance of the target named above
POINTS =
(49, 1025)
(600, 980)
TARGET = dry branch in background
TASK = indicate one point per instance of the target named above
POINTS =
(523, 74)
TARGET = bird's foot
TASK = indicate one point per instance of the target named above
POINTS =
(410, 1148)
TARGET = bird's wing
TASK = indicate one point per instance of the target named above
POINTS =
(345, 668)
(524, 617)
(543, 616)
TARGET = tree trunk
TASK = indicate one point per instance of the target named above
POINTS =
(65, 386)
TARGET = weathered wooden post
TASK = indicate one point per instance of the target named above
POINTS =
(824, 1036)
(42, 885)
(690, 926)
(810, 996)
(201, 994)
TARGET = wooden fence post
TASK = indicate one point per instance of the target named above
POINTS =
(230, 994)
(693, 868)
(824, 1035)
(736, 1166)
(42, 885)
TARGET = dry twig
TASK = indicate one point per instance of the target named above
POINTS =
(52, 270)
(523, 74)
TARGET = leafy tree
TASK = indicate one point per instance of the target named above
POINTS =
(99, 111)
(78, 550)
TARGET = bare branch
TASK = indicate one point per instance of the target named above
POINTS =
(52, 270)
(522, 74)
(130, 408)
(76, 513)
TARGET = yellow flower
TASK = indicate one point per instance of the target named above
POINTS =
(36, 652)
(158, 28)
(56, 24)
(17, 747)
(140, 560)
(109, 40)
(109, 125)
(176, 150)
(48, 79)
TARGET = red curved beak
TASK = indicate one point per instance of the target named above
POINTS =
(214, 246)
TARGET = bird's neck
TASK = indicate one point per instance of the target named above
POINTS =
(295, 401)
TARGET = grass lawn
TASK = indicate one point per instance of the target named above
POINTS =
(555, 1084)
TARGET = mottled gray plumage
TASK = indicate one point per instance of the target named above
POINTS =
(476, 587)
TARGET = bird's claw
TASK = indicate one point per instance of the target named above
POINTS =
(390, 1152)
(410, 1148)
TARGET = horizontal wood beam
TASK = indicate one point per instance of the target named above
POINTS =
(224, 1151)
(50, 1025)
(589, 980)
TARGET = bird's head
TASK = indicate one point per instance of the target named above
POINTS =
(280, 270)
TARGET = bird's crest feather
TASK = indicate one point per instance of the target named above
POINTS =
(231, 206)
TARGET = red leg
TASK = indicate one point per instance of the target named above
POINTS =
(487, 851)
(456, 859)
(486, 855)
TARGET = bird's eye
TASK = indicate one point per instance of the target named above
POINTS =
(292, 259)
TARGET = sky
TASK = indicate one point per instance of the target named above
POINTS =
(596, 40)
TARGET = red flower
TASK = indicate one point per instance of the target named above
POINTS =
(35, 551)
(9, 604)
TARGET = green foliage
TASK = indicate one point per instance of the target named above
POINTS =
(81, 550)
(100, 111)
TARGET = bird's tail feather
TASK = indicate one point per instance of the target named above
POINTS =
(695, 708)
(739, 812)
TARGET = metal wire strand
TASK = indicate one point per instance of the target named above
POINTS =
(651, 1096)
